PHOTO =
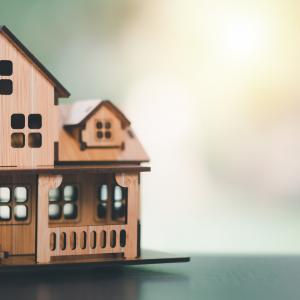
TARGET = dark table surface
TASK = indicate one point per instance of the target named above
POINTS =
(205, 277)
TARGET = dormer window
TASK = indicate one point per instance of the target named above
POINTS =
(6, 85)
(103, 130)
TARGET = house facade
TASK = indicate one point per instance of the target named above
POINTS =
(69, 174)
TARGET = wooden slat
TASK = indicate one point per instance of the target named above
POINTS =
(87, 250)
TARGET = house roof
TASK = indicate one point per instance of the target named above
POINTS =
(76, 114)
(61, 91)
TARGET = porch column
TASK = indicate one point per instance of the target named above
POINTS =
(45, 182)
(131, 181)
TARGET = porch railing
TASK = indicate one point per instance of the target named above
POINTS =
(83, 240)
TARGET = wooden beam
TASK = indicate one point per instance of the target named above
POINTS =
(131, 181)
(45, 182)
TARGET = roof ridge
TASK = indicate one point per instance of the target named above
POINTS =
(61, 90)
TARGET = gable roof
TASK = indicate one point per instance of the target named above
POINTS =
(76, 114)
(60, 90)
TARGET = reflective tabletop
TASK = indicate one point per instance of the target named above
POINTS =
(204, 277)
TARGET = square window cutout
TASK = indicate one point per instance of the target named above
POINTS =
(4, 213)
(17, 140)
(34, 121)
(4, 194)
(54, 211)
(103, 192)
(118, 195)
(35, 140)
(70, 211)
(20, 194)
(6, 68)
(54, 195)
(17, 121)
(20, 212)
(6, 87)
(70, 193)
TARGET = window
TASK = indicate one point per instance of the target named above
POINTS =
(5, 213)
(63, 203)
(6, 85)
(14, 205)
(35, 140)
(118, 209)
(5, 209)
(17, 121)
(112, 203)
(103, 130)
(20, 212)
(102, 207)
(34, 121)
(20, 194)
(6, 68)
(17, 140)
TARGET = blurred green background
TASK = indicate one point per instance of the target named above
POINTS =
(212, 89)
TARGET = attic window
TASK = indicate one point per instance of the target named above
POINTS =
(103, 130)
(6, 68)
(6, 85)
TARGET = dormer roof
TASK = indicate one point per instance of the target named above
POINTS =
(74, 119)
(60, 90)
(76, 114)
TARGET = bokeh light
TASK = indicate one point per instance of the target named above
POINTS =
(212, 89)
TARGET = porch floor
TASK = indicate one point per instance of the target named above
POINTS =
(27, 262)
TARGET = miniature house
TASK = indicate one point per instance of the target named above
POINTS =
(69, 174)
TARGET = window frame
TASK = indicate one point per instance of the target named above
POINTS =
(12, 203)
(61, 202)
(27, 132)
(108, 220)
(103, 130)
(5, 79)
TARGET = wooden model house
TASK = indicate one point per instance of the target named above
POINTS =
(69, 174)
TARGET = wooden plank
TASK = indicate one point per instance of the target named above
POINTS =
(75, 169)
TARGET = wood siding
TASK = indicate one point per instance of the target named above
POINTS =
(32, 94)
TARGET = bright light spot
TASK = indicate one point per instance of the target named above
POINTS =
(244, 37)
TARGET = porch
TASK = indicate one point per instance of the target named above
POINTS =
(87, 233)
(92, 233)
